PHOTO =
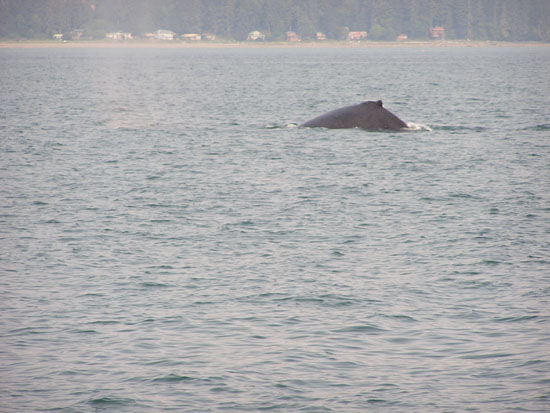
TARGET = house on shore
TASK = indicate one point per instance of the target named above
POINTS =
(191, 37)
(161, 35)
(437, 33)
(320, 36)
(255, 35)
(293, 37)
(402, 38)
(356, 36)
(119, 36)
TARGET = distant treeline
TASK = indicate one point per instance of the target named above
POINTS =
(508, 20)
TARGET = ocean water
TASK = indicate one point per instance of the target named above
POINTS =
(172, 241)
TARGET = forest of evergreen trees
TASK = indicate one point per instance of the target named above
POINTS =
(506, 20)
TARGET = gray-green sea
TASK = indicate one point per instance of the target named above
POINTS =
(170, 240)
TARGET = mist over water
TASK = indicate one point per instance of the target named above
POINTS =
(170, 240)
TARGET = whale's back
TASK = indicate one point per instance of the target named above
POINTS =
(365, 115)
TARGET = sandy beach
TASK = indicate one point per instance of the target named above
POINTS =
(106, 44)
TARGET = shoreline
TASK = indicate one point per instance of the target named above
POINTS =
(148, 44)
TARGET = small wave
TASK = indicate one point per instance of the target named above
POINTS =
(399, 317)
(104, 322)
(485, 356)
(79, 331)
(515, 319)
(52, 221)
(463, 195)
(285, 126)
(152, 284)
(111, 401)
(172, 378)
(362, 328)
(538, 128)
(326, 300)
(459, 129)
(415, 127)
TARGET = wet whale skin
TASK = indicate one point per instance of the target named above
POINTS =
(366, 115)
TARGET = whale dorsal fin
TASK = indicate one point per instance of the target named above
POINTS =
(370, 102)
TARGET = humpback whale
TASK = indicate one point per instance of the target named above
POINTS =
(365, 115)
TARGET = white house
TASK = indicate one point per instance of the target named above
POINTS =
(164, 35)
(256, 35)
(193, 37)
(119, 36)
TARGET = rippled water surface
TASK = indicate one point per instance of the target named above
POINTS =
(170, 240)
